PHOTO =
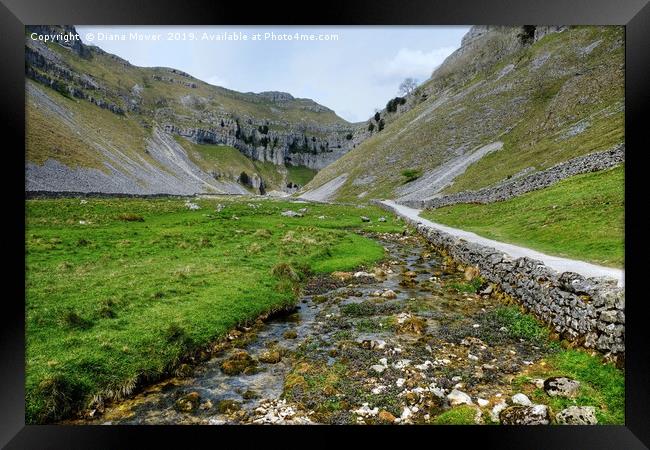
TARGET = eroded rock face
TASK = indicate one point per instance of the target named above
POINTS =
(525, 415)
(577, 415)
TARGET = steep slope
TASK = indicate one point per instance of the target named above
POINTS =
(97, 123)
(510, 100)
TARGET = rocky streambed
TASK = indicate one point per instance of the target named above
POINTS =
(401, 343)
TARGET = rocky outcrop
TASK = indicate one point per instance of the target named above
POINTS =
(538, 180)
(313, 146)
(587, 311)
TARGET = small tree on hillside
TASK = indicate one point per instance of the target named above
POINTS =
(407, 86)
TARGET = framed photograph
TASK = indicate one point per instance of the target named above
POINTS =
(413, 218)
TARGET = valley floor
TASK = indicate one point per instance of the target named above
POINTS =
(391, 345)
(124, 292)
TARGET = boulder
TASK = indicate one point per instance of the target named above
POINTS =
(385, 417)
(228, 406)
(561, 387)
(237, 363)
(290, 334)
(577, 415)
(290, 214)
(525, 415)
(188, 402)
(270, 356)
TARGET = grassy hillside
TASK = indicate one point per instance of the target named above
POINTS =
(88, 109)
(547, 102)
(581, 217)
(118, 290)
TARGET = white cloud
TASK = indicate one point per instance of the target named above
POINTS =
(414, 63)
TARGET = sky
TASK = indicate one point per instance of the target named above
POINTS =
(352, 70)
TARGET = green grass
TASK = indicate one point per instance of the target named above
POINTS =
(470, 287)
(460, 415)
(519, 325)
(581, 217)
(411, 174)
(122, 298)
(602, 385)
(300, 175)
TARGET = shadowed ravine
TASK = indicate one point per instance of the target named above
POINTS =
(354, 354)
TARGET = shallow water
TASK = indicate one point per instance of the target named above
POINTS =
(327, 334)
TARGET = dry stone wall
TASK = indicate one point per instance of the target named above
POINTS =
(589, 312)
(537, 180)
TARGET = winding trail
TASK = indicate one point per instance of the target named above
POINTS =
(554, 262)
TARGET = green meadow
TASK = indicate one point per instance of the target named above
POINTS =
(119, 290)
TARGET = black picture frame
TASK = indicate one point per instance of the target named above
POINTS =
(633, 14)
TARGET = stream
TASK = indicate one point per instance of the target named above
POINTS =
(396, 344)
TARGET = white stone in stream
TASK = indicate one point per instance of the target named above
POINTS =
(406, 414)
(378, 368)
(482, 402)
(402, 363)
(363, 274)
(402, 317)
(383, 361)
(365, 410)
(400, 382)
(457, 397)
(494, 415)
(521, 399)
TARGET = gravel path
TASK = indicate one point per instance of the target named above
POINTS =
(555, 262)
